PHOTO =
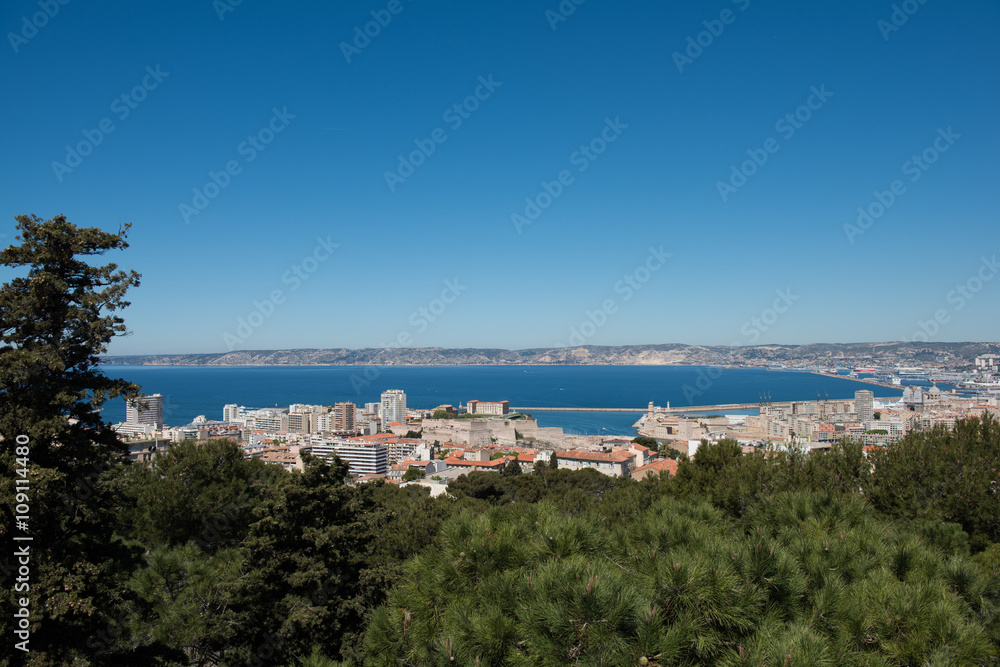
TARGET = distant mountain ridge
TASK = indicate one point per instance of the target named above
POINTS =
(632, 355)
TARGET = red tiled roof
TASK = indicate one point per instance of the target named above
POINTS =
(478, 464)
(668, 465)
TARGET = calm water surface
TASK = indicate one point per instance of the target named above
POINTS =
(190, 391)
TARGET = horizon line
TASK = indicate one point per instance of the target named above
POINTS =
(523, 349)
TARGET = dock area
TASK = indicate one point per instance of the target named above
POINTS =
(865, 380)
(717, 409)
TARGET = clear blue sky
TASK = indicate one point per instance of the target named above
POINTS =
(323, 176)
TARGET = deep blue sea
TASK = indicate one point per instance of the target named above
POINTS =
(190, 391)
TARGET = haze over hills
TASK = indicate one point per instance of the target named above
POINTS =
(916, 353)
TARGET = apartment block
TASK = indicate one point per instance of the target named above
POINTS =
(345, 416)
(145, 410)
(393, 407)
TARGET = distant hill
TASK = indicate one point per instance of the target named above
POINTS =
(951, 354)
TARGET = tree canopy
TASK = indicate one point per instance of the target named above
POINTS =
(55, 322)
(57, 316)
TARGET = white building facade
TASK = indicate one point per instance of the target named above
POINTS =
(145, 410)
(393, 407)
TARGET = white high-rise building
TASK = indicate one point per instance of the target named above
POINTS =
(864, 405)
(230, 412)
(145, 410)
(393, 407)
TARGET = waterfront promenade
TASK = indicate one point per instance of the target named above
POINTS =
(671, 410)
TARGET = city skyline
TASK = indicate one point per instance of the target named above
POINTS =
(398, 174)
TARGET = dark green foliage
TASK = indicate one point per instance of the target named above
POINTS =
(183, 598)
(720, 473)
(56, 322)
(844, 469)
(202, 491)
(480, 485)
(300, 579)
(412, 474)
(944, 475)
(809, 579)
(511, 469)
(56, 319)
(576, 489)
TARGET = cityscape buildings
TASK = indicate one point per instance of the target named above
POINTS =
(344, 416)
(488, 436)
(393, 406)
(230, 412)
(487, 408)
(145, 410)
(864, 405)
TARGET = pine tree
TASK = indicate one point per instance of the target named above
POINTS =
(56, 319)
(55, 323)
